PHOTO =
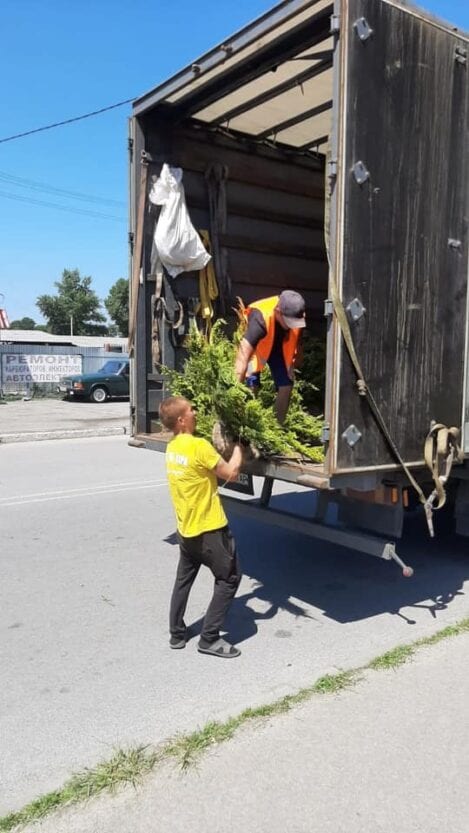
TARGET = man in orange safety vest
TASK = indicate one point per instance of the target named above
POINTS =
(272, 337)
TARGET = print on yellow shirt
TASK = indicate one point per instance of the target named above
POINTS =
(190, 463)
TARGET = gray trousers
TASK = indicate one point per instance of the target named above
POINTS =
(217, 551)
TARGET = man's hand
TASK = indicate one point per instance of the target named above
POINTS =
(230, 470)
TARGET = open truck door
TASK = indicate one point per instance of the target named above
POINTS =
(400, 225)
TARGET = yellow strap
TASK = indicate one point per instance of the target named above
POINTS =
(208, 287)
(441, 450)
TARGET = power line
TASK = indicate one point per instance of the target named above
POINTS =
(67, 121)
(33, 185)
(83, 211)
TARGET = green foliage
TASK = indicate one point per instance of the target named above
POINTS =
(312, 374)
(209, 382)
(75, 304)
(117, 305)
(25, 323)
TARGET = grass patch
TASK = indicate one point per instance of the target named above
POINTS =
(125, 767)
(402, 653)
(445, 633)
(187, 748)
(131, 765)
(392, 659)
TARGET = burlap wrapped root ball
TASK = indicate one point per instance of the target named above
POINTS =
(224, 443)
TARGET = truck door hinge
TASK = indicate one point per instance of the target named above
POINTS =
(328, 308)
(335, 24)
(460, 55)
(332, 169)
(325, 433)
(131, 242)
(363, 28)
(131, 148)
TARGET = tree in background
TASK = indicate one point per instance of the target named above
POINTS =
(117, 305)
(23, 324)
(75, 309)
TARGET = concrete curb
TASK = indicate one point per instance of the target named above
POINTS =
(71, 434)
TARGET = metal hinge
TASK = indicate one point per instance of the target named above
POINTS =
(363, 29)
(131, 242)
(335, 24)
(454, 244)
(460, 55)
(332, 168)
(328, 308)
(325, 433)
(130, 146)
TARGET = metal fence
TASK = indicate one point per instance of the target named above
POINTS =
(23, 371)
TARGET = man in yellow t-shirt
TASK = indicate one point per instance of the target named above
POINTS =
(193, 466)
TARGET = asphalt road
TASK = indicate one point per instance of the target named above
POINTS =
(88, 557)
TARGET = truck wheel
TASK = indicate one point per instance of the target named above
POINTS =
(99, 395)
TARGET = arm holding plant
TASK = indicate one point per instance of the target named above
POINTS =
(230, 470)
(245, 351)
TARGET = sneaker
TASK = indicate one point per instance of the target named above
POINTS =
(176, 642)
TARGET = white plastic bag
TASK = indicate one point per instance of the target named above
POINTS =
(179, 246)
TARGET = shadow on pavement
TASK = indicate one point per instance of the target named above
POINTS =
(293, 573)
(345, 585)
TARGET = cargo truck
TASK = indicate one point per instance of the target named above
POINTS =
(325, 149)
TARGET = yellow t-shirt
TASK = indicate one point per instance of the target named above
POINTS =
(190, 463)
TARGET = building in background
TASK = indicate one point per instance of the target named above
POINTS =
(34, 362)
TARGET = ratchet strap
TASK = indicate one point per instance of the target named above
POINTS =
(441, 451)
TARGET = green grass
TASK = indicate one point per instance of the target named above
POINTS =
(125, 767)
(130, 766)
(392, 659)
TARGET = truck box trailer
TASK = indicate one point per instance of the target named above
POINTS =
(325, 149)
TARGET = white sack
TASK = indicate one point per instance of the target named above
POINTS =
(179, 246)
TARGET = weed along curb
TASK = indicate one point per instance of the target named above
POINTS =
(129, 766)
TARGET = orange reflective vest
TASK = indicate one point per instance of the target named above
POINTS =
(263, 349)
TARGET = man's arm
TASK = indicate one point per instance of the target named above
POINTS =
(256, 330)
(245, 351)
(230, 470)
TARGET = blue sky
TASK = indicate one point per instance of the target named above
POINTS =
(63, 58)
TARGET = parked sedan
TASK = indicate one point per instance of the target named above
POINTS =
(111, 380)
